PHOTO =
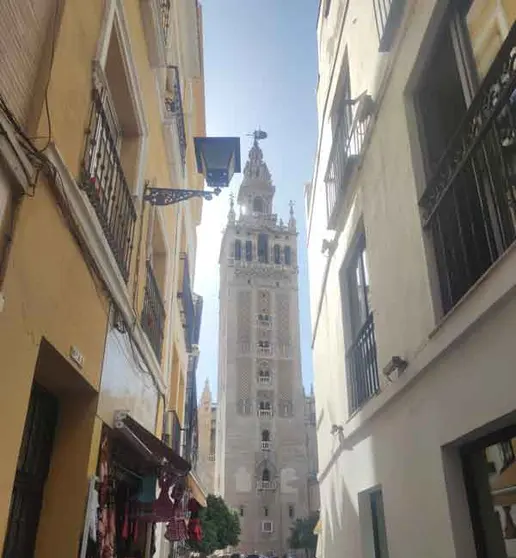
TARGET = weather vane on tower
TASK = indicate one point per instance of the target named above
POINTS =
(258, 135)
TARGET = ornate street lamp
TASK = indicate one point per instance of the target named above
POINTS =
(217, 159)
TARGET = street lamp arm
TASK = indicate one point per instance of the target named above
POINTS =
(169, 196)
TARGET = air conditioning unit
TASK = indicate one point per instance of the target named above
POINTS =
(267, 527)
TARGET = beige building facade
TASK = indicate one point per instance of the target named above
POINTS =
(411, 229)
(261, 463)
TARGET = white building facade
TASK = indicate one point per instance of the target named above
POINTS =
(411, 228)
(261, 464)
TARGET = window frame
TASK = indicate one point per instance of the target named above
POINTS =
(115, 20)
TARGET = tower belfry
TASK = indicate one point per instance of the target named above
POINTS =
(261, 466)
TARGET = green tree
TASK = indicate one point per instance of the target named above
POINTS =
(220, 527)
(302, 534)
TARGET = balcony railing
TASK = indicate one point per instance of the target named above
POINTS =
(362, 367)
(470, 204)
(266, 445)
(164, 13)
(345, 154)
(387, 15)
(103, 180)
(264, 380)
(266, 485)
(187, 313)
(153, 313)
(265, 413)
(174, 108)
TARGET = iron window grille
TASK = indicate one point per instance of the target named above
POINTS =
(105, 184)
(469, 206)
(153, 313)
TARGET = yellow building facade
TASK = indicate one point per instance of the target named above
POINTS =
(99, 101)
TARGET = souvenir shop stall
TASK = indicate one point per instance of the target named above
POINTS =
(140, 482)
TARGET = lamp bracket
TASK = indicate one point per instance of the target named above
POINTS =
(169, 196)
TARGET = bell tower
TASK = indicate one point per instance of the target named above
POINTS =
(261, 465)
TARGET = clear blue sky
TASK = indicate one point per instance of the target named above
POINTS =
(260, 62)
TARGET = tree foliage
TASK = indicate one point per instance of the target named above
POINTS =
(220, 527)
(302, 533)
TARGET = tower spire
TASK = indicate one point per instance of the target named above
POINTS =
(292, 220)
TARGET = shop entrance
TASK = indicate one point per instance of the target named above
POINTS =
(31, 473)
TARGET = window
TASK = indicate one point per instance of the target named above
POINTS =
(263, 248)
(267, 527)
(468, 204)
(291, 513)
(265, 511)
(288, 255)
(266, 476)
(244, 406)
(286, 408)
(387, 14)
(248, 250)
(258, 204)
(238, 249)
(277, 254)
(264, 374)
(372, 524)
(266, 437)
(361, 364)
(241, 511)
(265, 406)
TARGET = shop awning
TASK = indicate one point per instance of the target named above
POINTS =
(152, 448)
(196, 489)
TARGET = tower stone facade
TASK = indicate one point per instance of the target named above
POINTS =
(261, 466)
(206, 419)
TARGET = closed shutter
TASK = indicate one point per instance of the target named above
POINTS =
(23, 33)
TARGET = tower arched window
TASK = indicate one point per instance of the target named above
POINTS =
(266, 436)
(264, 374)
(288, 255)
(266, 476)
(258, 204)
(238, 250)
(263, 248)
(248, 250)
(277, 254)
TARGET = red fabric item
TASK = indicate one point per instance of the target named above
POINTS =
(125, 527)
(194, 530)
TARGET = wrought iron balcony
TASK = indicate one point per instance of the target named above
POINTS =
(344, 157)
(187, 312)
(174, 108)
(362, 367)
(264, 380)
(266, 445)
(103, 180)
(469, 205)
(153, 313)
(265, 413)
(388, 14)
